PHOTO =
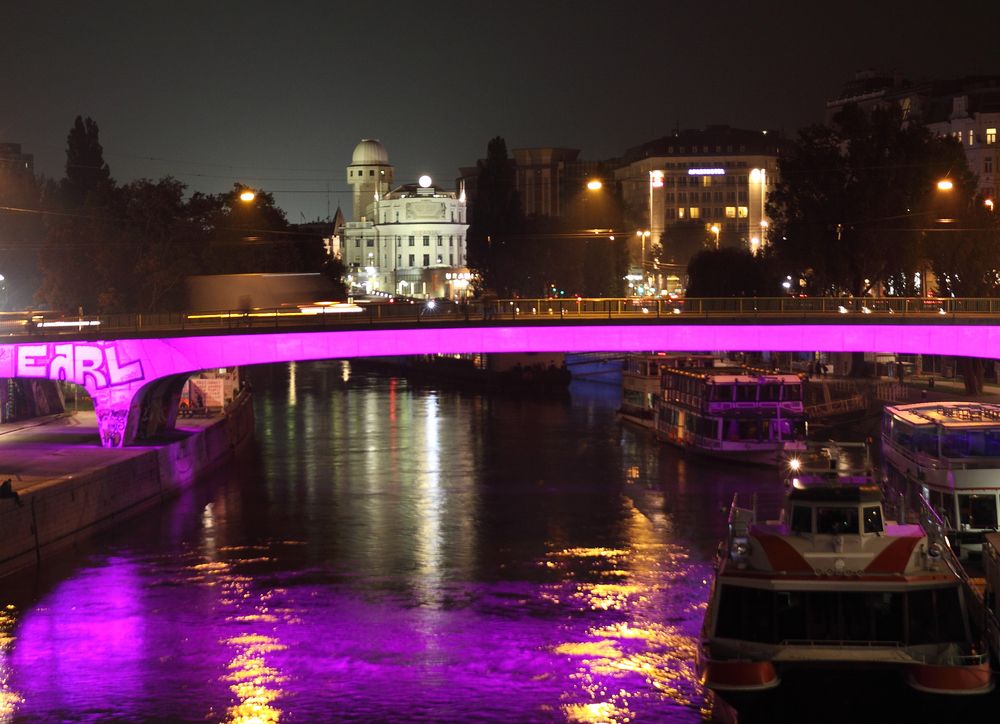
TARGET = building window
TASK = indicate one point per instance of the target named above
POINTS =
(399, 241)
(451, 241)
(427, 259)
(411, 241)
(460, 239)
(730, 212)
(671, 213)
(706, 180)
(427, 241)
(357, 243)
(440, 240)
(397, 217)
(694, 212)
(680, 213)
(670, 198)
(372, 172)
(399, 260)
(991, 135)
(972, 137)
(706, 195)
(742, 211)
(988, 165)
(411, 259)
(439, 259)
(369, 242)
(451, 260)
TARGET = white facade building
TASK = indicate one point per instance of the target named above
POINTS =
(409, 241)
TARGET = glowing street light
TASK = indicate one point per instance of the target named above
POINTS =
(247, 195)
(945, 185)
(716, 229)
(594, 185)
(988, 203)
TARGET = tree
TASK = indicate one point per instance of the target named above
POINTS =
(685, 239)
(847, 206)
(86, 172)
(496, 223)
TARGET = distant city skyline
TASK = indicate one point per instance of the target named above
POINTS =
(278, 98)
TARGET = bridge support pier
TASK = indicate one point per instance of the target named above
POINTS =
(137, 411)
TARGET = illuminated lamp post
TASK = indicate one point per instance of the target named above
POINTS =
(643, 235)
(716, 229)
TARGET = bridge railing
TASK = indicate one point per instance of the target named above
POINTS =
(499, 310)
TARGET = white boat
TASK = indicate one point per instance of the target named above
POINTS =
(641, 381)
(949, 454)
(735, 413)
(834, 585)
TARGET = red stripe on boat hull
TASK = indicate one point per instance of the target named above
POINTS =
(974, 679)
(739, 675)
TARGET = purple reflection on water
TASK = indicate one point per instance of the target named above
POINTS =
(463, 559)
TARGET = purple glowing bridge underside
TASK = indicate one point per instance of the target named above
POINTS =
(113, 371)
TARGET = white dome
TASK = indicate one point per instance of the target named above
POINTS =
(370, 152)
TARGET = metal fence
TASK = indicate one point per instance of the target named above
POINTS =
(773, 309)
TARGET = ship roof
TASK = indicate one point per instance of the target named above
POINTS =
(836, 493)
(949, 414)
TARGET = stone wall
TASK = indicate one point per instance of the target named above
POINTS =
(55, 515)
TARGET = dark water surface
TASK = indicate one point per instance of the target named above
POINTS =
(391, 553)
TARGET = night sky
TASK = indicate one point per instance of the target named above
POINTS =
(276, 95)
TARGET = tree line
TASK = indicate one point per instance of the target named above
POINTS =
(89, 242)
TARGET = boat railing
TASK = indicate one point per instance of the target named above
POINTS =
(843, 643)
(740, 518)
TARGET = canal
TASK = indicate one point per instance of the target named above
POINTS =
(391, 553)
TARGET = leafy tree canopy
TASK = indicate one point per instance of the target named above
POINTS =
(853, 198)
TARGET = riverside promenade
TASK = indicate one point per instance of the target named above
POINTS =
(66, 486)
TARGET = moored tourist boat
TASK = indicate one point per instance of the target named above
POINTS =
(949, 454)
(834, 585)
(641, 381)
(734, 413)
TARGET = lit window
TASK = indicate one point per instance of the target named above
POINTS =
(680, 213)
(706, 180)
(742, 212)
(695, 212)
(991, 135)
(971, 137)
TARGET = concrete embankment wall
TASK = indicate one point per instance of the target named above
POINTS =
(63, 511)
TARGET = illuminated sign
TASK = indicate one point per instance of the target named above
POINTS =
(706, 172)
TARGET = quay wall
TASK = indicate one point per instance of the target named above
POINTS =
(69, 509)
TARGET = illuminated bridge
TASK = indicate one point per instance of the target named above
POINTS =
(134, 366)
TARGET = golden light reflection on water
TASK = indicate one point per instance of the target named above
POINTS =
(9, 699)
(636, 657)
(254, 681)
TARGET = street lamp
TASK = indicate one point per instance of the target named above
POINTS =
(643, 235)
(716, 229)
(945, 185)
(988, 203)
(247, 195)
(655, 182)
(594, 185)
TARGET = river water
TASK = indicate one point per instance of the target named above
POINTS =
(391, 553)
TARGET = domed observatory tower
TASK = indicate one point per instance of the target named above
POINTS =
(368, 174)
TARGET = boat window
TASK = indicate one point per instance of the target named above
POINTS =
(722, 393)
(873, 519)
(836, 520)
(792, 392)
(746, 393)
(802, 519)
(925, 441)
(902, 434)
(991, 443)
(770, 392)
(978, 512)
(955, 444)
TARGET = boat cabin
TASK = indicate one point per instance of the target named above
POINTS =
(835, 510)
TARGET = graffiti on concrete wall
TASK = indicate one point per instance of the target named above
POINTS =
(96, 365)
